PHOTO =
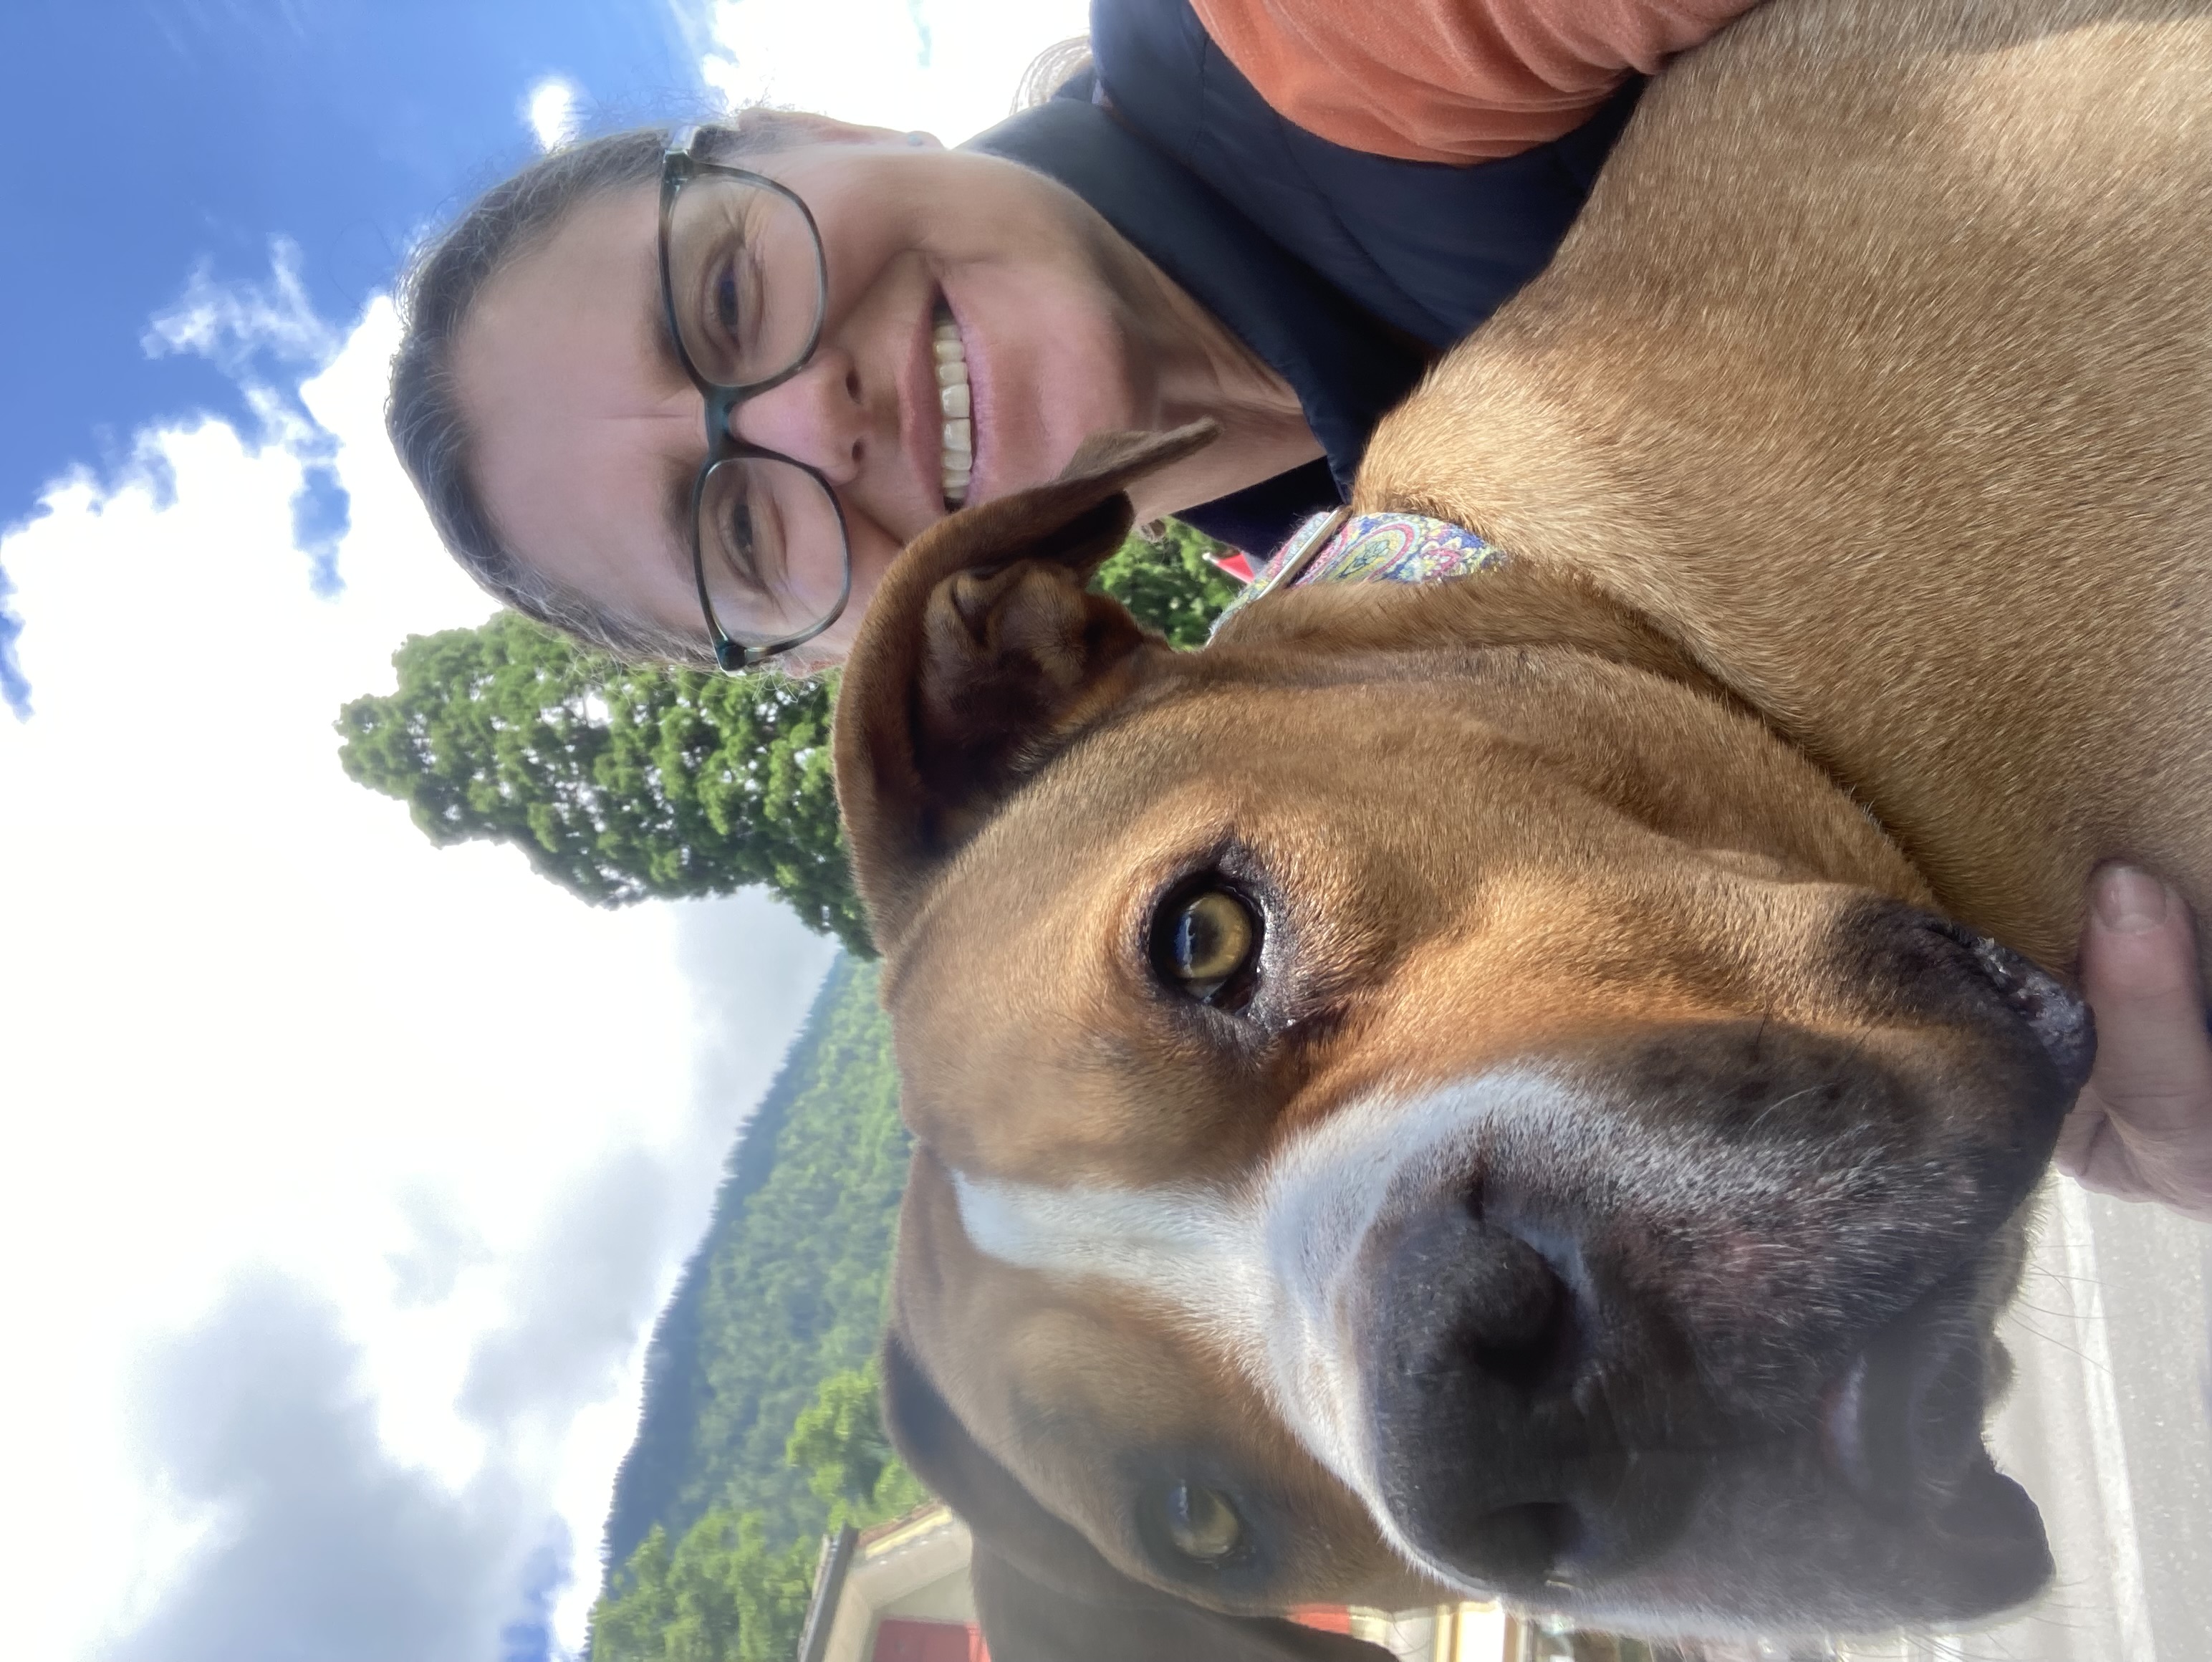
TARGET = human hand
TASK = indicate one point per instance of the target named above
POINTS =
(2143, 1127)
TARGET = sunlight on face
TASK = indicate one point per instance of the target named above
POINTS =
(589, 435)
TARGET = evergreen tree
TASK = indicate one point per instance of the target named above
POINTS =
(839, 1441)
(723, 1595)
(618, 783)
(621, 782)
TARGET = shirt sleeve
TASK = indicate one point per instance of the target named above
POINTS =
(1450, 80)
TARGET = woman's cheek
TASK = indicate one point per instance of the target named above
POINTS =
(873, 550)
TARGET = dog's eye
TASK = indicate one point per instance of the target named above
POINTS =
(1202, 1524)
(1205, 942)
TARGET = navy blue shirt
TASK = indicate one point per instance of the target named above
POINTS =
(1344, 272)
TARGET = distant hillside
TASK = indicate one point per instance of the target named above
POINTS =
(787, 1289)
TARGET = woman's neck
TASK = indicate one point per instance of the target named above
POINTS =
(1205, 370)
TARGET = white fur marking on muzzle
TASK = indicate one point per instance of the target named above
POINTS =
(1267, 1273)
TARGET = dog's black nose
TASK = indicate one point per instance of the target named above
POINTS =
(1470, 1296)
(1479, 1328)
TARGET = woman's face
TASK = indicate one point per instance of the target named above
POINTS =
(587, 433)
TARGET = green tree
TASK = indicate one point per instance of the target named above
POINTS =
(618, 783)
(723, 1595)
(621, 782)
(839, 1441)
(1170, 582)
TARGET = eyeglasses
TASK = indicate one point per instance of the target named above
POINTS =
(746, 285)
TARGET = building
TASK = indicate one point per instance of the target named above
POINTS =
(898, 1592)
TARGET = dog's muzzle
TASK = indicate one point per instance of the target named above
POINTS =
(1758, 1261)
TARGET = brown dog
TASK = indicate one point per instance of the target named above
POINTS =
(1513, 1085)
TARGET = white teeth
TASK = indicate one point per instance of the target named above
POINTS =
(958, 444)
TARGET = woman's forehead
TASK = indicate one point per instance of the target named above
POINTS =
(590, 284)
(579, 415)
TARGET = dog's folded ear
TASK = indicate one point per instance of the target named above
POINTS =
(980, 652)
(1043, 1594)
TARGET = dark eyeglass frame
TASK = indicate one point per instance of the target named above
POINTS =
(678, 167)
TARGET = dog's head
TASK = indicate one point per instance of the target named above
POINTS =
(1426, 1094)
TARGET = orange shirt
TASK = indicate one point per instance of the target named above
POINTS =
(1450, 80)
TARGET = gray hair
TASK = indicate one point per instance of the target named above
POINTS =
(422, 413)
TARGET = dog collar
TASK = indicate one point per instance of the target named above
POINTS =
(1343, 547)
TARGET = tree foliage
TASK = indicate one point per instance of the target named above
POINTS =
(761, 1425)
(723, 1595)
(839, 1441)
(621, 782)
(788, 1288)
(618, 783)
(760, 1411)
(1170, 582)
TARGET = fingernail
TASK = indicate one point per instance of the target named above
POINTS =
(2129, 902)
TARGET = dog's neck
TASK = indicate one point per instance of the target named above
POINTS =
(2009, 737)
(1831, 398)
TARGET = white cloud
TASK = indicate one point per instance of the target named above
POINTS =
(554, 111)
(254, 1023)
(282, 1079)
(945, 67)
(234, 323)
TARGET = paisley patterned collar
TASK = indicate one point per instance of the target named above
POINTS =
(1344, 547)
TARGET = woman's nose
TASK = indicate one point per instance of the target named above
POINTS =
(816, 416)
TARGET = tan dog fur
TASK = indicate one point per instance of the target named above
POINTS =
(1852, 459)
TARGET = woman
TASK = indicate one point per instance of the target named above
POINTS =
(688, 401)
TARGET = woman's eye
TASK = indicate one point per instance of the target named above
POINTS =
(734, 300)
(1208, 941)
(745, 541)
(1201, 1524)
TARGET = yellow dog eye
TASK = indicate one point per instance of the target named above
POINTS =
(1202, 1524)
(1209, 942)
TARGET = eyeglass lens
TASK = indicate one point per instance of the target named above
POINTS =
(745, 279)
(771, 549)
(743, 275)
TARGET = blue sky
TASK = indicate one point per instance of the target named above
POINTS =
(144, 138)
(344, 1174)
(144, 141)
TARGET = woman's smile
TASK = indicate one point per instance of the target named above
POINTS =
(956, 404)
(980, 321)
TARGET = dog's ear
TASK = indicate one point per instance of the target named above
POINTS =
(1043, 1594)
(979, 653)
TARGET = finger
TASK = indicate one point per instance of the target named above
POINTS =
(2154, 1069)
(2154, 1074)
(2090, 1152)
(2079, 1135)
